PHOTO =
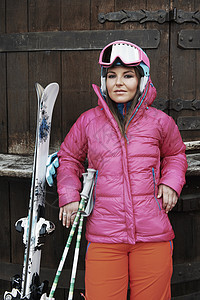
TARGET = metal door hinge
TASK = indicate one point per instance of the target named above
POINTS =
(189, 39)
(160, 16)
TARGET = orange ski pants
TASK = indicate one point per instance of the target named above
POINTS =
(146, 267)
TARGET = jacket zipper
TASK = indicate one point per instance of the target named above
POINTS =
(126, 138)
(137, 109)
(154, 183)
(95, 186)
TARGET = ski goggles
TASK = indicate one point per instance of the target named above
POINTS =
(130, 54)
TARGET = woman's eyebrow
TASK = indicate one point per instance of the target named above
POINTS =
(111, 71)
(129, 71)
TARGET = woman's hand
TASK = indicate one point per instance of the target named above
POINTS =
(170, 197)
(68, 212)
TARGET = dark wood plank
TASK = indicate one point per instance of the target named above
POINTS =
(76, 87)
(75, 15)
(185, 245)
(19, 201)
(54, 244)
(4, 286)
(75, 40)
(183, 69)
(186, 219)
(3, 105)
(17, 82)
(16, 16)
(129, 6)
(18, 106)
(75, 66)
(197, 87)
(95, 76)
(97, 7)
(5, 221)
(44, 15)
(3, 16)
(8, 269)
(159, 58)
(182, 273)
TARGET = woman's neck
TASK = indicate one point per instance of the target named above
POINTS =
(124, 107)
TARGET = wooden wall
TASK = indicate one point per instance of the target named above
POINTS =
(174, 71)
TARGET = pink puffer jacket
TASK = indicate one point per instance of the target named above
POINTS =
(130, 169)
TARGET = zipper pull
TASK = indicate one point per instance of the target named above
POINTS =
(126, 138)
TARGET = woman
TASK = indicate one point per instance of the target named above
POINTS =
(140, 160)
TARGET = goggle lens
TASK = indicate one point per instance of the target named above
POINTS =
(127, 53)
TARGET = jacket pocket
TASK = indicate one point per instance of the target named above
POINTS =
(154, 184)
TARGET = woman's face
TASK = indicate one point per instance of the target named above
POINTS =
(121, 83)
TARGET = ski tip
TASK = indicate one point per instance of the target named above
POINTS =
(53, 85)
(39, 90)
(39, 87)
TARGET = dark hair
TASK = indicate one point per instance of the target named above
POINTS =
(114, 110)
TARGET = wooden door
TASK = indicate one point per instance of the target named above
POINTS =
(60, 40)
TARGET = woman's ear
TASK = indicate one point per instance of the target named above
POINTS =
(143, 82)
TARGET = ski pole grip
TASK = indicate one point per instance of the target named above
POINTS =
(91, 173)
(89, 179)
(84, 178)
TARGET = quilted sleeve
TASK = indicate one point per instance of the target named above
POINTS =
(72, 155)
(173, 158)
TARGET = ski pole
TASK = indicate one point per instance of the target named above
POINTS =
(88, 182)
(85, 193)
(88, 185)
(76, 256)
(60, 267)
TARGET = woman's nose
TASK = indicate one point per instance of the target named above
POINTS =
(119, 80)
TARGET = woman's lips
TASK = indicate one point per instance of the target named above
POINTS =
(119, 91)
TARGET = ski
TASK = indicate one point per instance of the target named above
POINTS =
(34, 227)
